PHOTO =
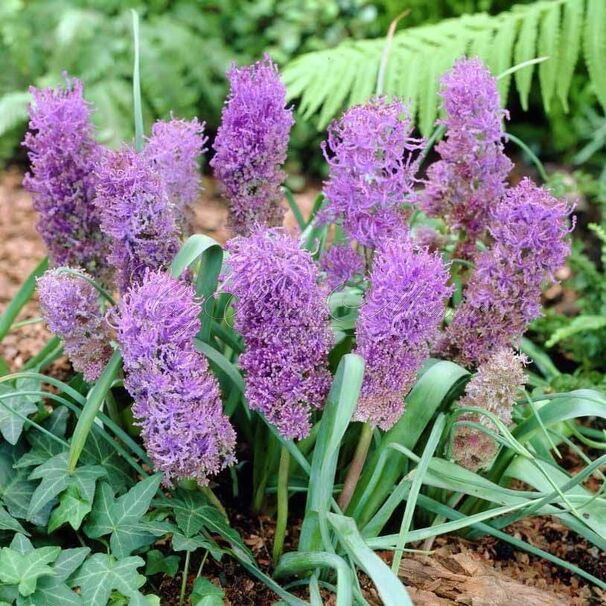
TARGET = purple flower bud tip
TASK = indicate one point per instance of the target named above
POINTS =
(370, 156)
(175, 148)
(70, 306)
(63, 155)
(251, 146)
(282, 313)
(470, 177)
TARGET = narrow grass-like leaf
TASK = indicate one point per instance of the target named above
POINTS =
(24, 294)
(294, 207)
(432, 444)
(444, 510)
(91, 408)
(210, 254)
(137, 108)
(439, 381)
(217, 358)
(296, 563)
(390, 588)
(340, 406)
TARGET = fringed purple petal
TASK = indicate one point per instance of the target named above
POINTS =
(282, 314)
(177, 400)
(399, 319)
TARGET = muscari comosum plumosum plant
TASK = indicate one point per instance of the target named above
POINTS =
(370, 362)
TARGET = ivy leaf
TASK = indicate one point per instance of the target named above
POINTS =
(7, 522)
(186, 507)
(101, 574)
(183, 543)
(206, 593)
(11, 424)
(71, 510)
(122, 517)
(158, 562)
(24, 569)
(98, 452)
(56, 478)
(54, 591)
(15, 489)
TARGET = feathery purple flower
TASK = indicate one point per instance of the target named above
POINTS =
(251, 146)
(177, 401)
(469, 179)
(137, 215)
(370, 156)
(399, 319)
(529, 229)
(70, 306)
(63, 155)
(494, 388)
(341, 264)
(175, 148)
(282, 314)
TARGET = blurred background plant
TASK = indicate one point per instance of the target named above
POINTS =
(187, 46)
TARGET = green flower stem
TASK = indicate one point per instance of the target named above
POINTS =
(213, 499)
(282, 504)
(355, 469)
(184, 579)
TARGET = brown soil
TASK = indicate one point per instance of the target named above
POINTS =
(21, 249)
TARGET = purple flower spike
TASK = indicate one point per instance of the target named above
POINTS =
(494, 388)
(251, 145)
(63, 155)
(70, 306)
(175, 148)
(469, 179)
(177, 400)
(282, 314)
(369, 152)
(341, 264)
(136, 214)
(398, 321)
(529, 228)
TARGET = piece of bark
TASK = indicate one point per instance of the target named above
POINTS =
(460, 580)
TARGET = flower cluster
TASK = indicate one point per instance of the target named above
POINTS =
(251, 145)
(470, 176)
(493, 388)
(369, 152)
(70, 306)
(177, 400)
(136, 214)
(63, 156)
(399, 319)
(529, 229)
(175, 148)
(282, 314)
(341, 264)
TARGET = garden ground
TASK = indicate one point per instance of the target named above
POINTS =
(487, 573)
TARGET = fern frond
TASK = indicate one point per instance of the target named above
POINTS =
(13, 110)
(595, 46)
(549, 37)
(572, 27)
(525, 50)
(326, 81)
